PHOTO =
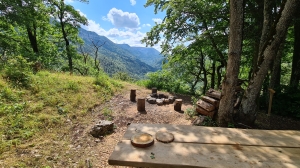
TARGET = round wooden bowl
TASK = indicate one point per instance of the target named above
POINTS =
(142, 140)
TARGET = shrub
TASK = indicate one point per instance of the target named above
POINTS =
(164, 80)
(123, 76)
(18, 71)
(190, 113)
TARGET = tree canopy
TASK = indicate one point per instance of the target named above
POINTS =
(193, 30)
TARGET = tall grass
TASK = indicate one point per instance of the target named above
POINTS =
(47, 101)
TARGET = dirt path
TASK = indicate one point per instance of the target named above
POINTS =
(123, 112)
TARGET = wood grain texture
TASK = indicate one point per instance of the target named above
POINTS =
(218, 135)
(203, 155)
(211, 100)
(205, 105)
(196, 146)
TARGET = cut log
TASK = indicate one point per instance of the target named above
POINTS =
(142, 140)
(204, 112)
(177, 104)
(214, 94)
(132, 94)
(141, 104)
(205, 105)
(154, 90)
(211, 101)
(165, 137)
(172, 99)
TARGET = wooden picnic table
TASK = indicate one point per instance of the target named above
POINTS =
(196, 146)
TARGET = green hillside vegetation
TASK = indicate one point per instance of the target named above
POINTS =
(115, 58)
(150, 56)
(36, 108)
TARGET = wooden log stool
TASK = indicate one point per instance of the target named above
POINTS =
(141, 104)
(154, 90)
(177, 104)
(132, 94)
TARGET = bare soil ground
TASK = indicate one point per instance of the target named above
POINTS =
(124, 112)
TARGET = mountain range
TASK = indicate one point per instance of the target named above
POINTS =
(136, 61)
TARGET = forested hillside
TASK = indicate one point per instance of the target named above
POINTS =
(120, 57)
(148, 55)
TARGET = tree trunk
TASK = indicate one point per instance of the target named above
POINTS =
(247, 113)
(32, 39)
(213, 74)
(258, 21)
(219, 74)
(233, 64)
(275, 75)
(266, 26)
(67, 43)
(295, 75)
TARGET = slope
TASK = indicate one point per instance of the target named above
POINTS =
(150, 56)
(114, 58)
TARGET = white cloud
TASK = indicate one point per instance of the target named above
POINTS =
(128, 36)
(157, 20)
(146, 25)
(122, 19)
(133, 2)
(131, 37)
(95, 27)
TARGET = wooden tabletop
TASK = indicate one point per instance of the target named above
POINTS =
(196, 146)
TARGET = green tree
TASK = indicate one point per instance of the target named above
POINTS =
(197, 25)
(68, 20)
(264, 29)
(248, 108)
(26, 30)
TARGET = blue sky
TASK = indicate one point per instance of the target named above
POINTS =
(122, 21)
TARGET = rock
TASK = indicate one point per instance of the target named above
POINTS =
(172, 99)
(152, 101)
(102, 128)
(154, 95)
(148, 97)
(160, 96)
(199, 120)
(159, 101)
(166, 101)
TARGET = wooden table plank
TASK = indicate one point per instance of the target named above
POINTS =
(217, 135)
(204, 155)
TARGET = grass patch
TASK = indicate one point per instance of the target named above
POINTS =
(39, 113)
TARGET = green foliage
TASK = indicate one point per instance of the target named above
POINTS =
(123, 76)
(18, 71)
(107, 113)
(8, 94)
(164, 80)
(50, 100)
(72, 85)
(286, 102)
(190, 113)
(209, 122)
(231, 125)
(105, 84)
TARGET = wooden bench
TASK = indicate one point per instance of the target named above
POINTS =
(196, 146)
